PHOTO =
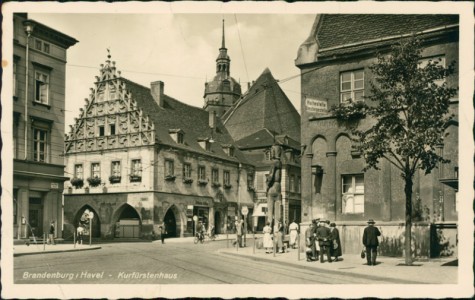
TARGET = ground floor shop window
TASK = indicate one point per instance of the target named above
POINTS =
(352, 194)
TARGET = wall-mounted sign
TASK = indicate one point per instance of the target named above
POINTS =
(316, 106)
(54, 185)
(189, 210)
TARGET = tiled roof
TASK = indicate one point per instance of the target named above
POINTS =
(341, 29)
(265, 105)
(177, 115)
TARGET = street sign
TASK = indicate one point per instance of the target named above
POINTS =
(244, 210)
(195, 218)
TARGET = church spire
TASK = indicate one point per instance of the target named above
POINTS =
(223, 46)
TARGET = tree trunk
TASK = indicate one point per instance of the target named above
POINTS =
(407, 235)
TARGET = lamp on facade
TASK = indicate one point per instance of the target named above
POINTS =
(28, 27)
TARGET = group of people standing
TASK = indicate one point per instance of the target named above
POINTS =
(268, 242)
(322, 237)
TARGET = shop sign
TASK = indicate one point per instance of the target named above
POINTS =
(189, 210)
(203, 203)
(316, 106)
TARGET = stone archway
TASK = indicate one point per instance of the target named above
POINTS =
(173, 222)
(96, 222)
(126, 222)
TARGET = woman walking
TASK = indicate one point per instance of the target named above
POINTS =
(267, 240)
(335, 247)
(293, 230)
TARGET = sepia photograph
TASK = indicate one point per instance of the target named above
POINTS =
(304, 150)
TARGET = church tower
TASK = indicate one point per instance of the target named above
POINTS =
(223, 91)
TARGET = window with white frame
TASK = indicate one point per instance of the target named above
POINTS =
(352, 193)
(41, 87)
(215, 175)
(78, 171)
(226, 178)
(96, 170)
(186, 170)
(261, 183)
(40, 145)
(201, 173)
(115, 166)
(169, 167)
(292, 183)
(352, 86)
(136, 168)
(440, 60)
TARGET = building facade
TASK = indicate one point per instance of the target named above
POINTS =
(262, 117)
(138, 159)
(334, 63)
(39, 70)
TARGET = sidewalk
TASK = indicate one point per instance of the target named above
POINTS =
(20, 250)
(220, 237)
(389, 268)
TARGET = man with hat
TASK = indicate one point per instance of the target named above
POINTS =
(370, 241)
(324, 240)
(310, 241)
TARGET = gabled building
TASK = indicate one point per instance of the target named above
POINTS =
(139, 158)
(39, 70)
(334, 63)
(264, 116)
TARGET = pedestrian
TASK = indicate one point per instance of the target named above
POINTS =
(51, 234)
(163, 232)
(310, 241)
(80, 233)
(316, 244)
(293, 231)
(324, 239)
(238, 228)
(371, 242)
(335, 247)
(267, 239)
(278, 233)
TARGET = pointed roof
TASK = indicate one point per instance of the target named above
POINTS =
(264, 105)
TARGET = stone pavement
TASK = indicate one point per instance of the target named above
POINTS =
(20, 250)
(431, 271)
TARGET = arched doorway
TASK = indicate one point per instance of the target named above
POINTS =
(127, 224)
(218, 222)
(171, 217)
(81, 219)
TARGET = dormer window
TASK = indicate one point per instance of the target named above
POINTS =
(177, 135)
(205, 143)
(228, 149)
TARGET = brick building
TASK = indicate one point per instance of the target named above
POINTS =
(334, 63)
(138, 158)
(39, 67)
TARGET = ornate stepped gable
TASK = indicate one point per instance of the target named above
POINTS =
(111, 118)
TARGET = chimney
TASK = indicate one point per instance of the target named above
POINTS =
(156, 89)
(212, 120)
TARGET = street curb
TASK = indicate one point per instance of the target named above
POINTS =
(317, 269)
(57, 251)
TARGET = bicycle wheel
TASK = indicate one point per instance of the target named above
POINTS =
(202, 240)
(196, 240)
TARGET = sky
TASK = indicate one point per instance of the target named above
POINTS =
(179, 49)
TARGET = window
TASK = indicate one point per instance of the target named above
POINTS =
(41, 87)
(179, 137)
(250, 180)
(201, 173)
(299, 184)
(267, 155)
(136, 167)
(96, 170)
(226, 178)
(78, 171)
(40, 145)
(261, 181)
(352, 86)
(186, 171)
(112, 129)
(46, 47)
(292, 183)
(169, 167)
(38, 45)
(15, 72)
(440, 60)
(215, 175)
(115, 166)
(353, 194)
(101, 131)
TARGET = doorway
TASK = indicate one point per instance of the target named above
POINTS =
(35, 217)
(82, 220)
(170, 223)
(218, 223)
(128, 223)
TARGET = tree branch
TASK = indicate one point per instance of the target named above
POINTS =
(393, 163)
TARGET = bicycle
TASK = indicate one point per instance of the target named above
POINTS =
(199, 238)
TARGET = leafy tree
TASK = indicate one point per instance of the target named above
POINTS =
(409, 105)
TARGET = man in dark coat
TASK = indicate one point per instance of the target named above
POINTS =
(336, 243)
(310, 241)
(163, 232)
(370, 241)
(324, 240)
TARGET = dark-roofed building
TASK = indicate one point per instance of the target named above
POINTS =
(264, 115)
(39, 66)
(139, 158)
(334, 63)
